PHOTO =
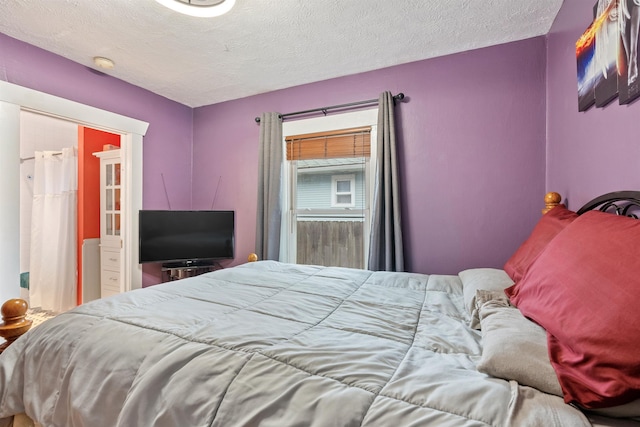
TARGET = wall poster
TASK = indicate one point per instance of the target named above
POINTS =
(607, 55)
(629, 15)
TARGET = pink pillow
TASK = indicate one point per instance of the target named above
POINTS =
(584, 289)
(549, 225)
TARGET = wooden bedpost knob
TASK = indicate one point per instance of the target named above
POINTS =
(252, 258)
(551, 200)
(15, 323)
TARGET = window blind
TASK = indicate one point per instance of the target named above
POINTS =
(354, 142)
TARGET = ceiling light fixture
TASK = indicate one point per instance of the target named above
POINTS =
(199, 8)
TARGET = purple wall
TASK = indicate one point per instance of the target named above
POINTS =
(472, 151)
(592, 152)
(471, 141)
(168, 143)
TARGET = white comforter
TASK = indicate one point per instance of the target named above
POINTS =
(269, 344)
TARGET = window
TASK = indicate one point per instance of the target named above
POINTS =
(342, 191)
(326, 215)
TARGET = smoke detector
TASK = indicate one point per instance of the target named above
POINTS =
(199, 8)
(102, 62)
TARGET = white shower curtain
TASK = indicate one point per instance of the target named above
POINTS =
(53, 260)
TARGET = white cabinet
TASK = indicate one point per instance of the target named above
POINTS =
(111, 278)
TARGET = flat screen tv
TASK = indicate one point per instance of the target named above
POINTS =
(184, 238)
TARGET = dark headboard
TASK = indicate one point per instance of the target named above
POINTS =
(626, 203)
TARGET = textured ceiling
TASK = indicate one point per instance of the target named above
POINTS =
(265, 45)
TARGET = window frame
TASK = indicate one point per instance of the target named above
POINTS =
(366, 117)
(351, 179)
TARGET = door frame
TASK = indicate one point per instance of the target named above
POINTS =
(13, 99)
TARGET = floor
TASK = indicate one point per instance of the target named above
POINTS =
(39, 316)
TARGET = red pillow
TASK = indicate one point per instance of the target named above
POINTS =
(584, 289)
(549, 225)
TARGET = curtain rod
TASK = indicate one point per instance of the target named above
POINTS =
(398, 97)
(24, 159)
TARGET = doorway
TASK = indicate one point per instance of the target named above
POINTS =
(53, 288)
(14, 99)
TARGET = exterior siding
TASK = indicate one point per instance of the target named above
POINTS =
(314, 190)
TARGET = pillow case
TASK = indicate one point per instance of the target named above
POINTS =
(583, 289)
(546, 229)
(513, 347)
(481, 278)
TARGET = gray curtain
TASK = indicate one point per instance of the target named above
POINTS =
(385, 246)
(269, 179)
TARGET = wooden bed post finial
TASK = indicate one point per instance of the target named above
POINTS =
(551, 200)
(15, 323)
(252, 257)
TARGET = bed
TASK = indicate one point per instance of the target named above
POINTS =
(274, 344)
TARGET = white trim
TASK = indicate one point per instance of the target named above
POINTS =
(29, 99)
(131, 144)
(10, 196)
(14, 98)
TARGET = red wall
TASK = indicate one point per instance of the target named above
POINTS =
(89, 142)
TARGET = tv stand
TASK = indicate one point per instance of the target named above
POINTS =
(181, 270)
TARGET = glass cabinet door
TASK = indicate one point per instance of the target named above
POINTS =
(112, 195)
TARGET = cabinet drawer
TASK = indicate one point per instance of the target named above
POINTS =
(110, 260)
(107, 293)
(110, 280)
